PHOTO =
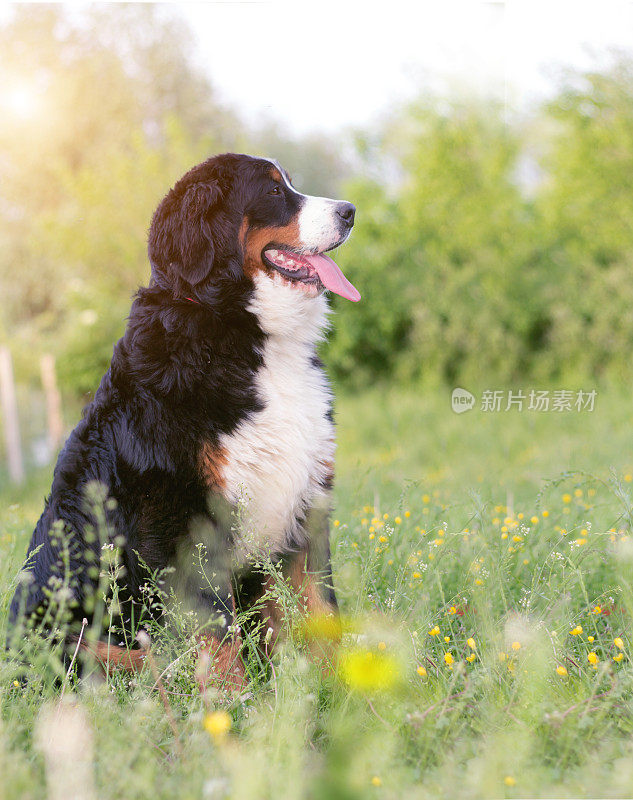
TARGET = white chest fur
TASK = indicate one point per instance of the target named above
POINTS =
(278, 460)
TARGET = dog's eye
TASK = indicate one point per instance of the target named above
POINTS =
(275, 190)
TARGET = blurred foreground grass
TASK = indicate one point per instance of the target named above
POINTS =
(484, 566)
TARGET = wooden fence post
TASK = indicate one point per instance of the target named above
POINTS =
(53, 403)
(10, 415)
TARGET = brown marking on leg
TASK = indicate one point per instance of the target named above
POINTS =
(112, 656)
(220, 662)
(212, 459)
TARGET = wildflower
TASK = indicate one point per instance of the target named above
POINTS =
(517, 538)
(452, 610)
(376, 781)
(516, 645)
(471, 643)
(217, 724)
(336, 523)
(509, 780)
(534, 520)
(434, 631)
(618, 643)
(383, 539)
(566, 498)
(597, 610)
(578, 493)
(363, 521)
(372, 530)
(520, 515)
(590, 638)
(368, 671)
(398, 520)
(382, 646)
(471, 657)
(16, 683)
(561, 670)
(628, 477)
(478, 582)
(385, 516)
(425, 498)
(504, 535)
(407, 514)
(576, 631)
(322, 626)
(372, 535)
(447, 639)
(580, 542)
(417, 574)
(618, 657)
(421, 671)
(448, 658)
(503, 656)
(592, 658)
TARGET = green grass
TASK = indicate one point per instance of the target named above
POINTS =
(497, 721)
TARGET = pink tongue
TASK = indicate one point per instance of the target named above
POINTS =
(332, 277)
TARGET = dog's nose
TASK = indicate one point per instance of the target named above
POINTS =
(346, 212)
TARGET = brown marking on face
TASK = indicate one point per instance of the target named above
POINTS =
(212, 459)
(112, 657)
(256, 239)
(276, 175)
(220, 663)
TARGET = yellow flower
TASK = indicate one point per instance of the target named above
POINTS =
(471, 657)
(385, 516)
(590, 638)
(592, 658)
(16, 683)
(421, 672)
(321, 626)
(363, 521)
(382, 646)
(425, 498)
(372, 530)
(545, 514)
(375, 781)
(618, 643)
(217, 724)
(434, 631)
(516, 538)
(448, 658)
(417, 574)
(407, 514)
(471, 643)
(509, 780)
(566, 498)
(452, 610)
(580, 542)
(503, 656)
(383, 539)
(561, 670)
(578, 492)
(372, 535)
(368, 671)
(336, 523)
(520, 515)
(398, 520)
(576, 631)
(447, 638)
(534, 520)
(478, 582)
(504, 535)
(597, 610)
(516, 645)
(628, 477)
(618, 657)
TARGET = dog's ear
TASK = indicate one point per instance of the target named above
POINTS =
(180, 242)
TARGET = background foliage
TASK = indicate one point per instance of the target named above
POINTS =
(487, 247)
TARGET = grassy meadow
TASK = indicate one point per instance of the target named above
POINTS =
(484, 567)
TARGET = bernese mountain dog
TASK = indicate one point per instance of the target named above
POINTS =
(212, 425)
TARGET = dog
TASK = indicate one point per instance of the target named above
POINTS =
(214, 415)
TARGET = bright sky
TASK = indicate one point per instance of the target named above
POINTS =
(320, 65)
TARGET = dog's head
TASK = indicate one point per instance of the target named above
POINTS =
(236, 216)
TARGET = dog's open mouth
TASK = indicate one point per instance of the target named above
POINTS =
(315, 269)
